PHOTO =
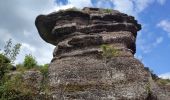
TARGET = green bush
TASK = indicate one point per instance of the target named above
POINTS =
(44, 70)
(14, 88)
(4, 65)
(29, 62)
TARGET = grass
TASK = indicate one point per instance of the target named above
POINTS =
(108, 10)
(109, 51)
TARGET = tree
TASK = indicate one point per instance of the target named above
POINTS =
(11, 52)
(29, 61)
(7, 48)
(15, 52)
(8, 56)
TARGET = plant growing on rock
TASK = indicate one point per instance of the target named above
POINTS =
(109, 51)
(107, 10)
(70, 9)
(44, 69)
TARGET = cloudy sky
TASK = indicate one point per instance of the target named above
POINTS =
(153, 42)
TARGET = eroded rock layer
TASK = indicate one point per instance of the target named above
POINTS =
(79, 70)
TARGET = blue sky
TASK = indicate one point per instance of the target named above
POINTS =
(17, 22)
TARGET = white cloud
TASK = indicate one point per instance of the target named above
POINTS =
(146, 46)
(165, 75)
(17, 19)
(5, 35)
(165, 25)
(141, 5)
(131, 7)
(103, 4)
(28, 47)
(80, 3)
(161, 1)
(158, 41)
(125, 6)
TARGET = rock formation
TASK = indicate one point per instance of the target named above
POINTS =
(79, 70)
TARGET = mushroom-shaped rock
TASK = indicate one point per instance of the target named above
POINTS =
(94, 56)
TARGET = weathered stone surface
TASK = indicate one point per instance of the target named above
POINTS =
(56, 26)
(79, 71)
(33, 79)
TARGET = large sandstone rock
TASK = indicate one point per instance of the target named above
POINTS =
(79, 71)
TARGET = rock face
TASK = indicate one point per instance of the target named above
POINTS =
(79, 70)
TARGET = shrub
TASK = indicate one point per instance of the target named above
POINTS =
(14, 88)
(29, 62)
(4, 65)
(44, 70)
(109, 51)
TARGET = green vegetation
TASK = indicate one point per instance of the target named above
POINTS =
(44, 69)
(148, 88)
(13, 88)
(8, 56)
(109, 51)
(158, 80)
(108, 10)
(70, 9)
(29, 62)
(12, 85)
(10, 51)
(163, 81)
(4, 64)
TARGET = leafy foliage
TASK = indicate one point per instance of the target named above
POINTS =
(15, 52)
(14, 88)
(4, 63)
(12, 85)
(7, 48)
(44, 69)
(10, 51)
(29, 62)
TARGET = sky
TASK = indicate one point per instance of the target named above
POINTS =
(17, 19)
